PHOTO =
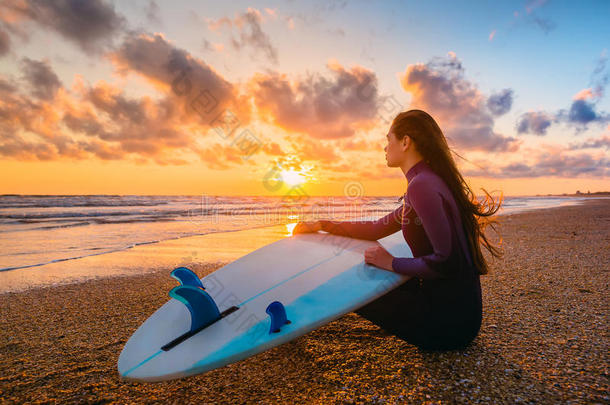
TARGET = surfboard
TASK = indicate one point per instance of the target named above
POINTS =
(261, 300)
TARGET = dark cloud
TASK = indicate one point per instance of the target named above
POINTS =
(545, 24)
(6, 86)
(534, 122)
(5, 43)
(102, 150)
(90, 24)
(189, 82)
(207, 45)
(117, 106)
(580, 115)
(582, 112)
(600, 76)
(153, 13)
(593, 143)
(501, 102)
(320, 106)
(41, 78)
(440, 88)
(250, 33)
(20, 149)
(85, 123)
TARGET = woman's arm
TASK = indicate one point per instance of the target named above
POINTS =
(429, 206)
(369, 230)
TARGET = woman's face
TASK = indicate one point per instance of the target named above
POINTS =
(394, 150)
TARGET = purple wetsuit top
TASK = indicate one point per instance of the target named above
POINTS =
(444, 292)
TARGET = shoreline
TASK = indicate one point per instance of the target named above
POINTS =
(544, 333)
(175, 252)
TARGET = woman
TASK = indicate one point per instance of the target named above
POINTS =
(440, 307)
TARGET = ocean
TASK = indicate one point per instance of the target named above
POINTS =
(39, 230)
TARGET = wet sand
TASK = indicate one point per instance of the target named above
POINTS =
(544, 336)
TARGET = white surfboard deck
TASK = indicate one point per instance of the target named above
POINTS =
(318, 277)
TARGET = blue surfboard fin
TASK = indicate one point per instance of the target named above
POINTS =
(186, 277)
(202, 307)
(277, 312)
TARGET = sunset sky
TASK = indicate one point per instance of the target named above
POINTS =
(192, 97)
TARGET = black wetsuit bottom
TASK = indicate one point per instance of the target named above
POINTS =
(433, 315)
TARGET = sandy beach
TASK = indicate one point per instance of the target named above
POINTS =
(544, 337)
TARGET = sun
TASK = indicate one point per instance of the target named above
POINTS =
(293, 177)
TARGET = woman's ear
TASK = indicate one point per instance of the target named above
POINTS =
(406, 143)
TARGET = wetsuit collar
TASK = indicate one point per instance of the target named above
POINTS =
(416, 168)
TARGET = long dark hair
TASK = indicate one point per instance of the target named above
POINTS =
(432, 145)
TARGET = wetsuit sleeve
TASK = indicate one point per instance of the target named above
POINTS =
(429, 207)
(369, 230)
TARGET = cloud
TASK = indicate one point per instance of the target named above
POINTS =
(593, 143)
(545, 24)
(213, 47)
(500, 103)
(531, 16)
(6, 87)
(582, 113)
(222, 156)
(584, 94)
(598, 81)
(440, 88)
(322, 107)
(30, 128)
(534, 122)
(5, 43)
(532, 5)
(89, 24)
(249, 33)
(550, 163)
(583, 108)
(142, 126)
(98, 121)
(23, 150)
(584, 105)
(101, 120)
(319, 151)
(201, 92)
(153, 13)
(41, 78)
(273, 149)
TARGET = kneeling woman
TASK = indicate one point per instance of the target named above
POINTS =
(440, 307)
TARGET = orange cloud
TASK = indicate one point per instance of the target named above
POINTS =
(323, 107)
(584, 94)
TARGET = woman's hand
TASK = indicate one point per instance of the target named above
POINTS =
(379, 257)
(307, 227)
